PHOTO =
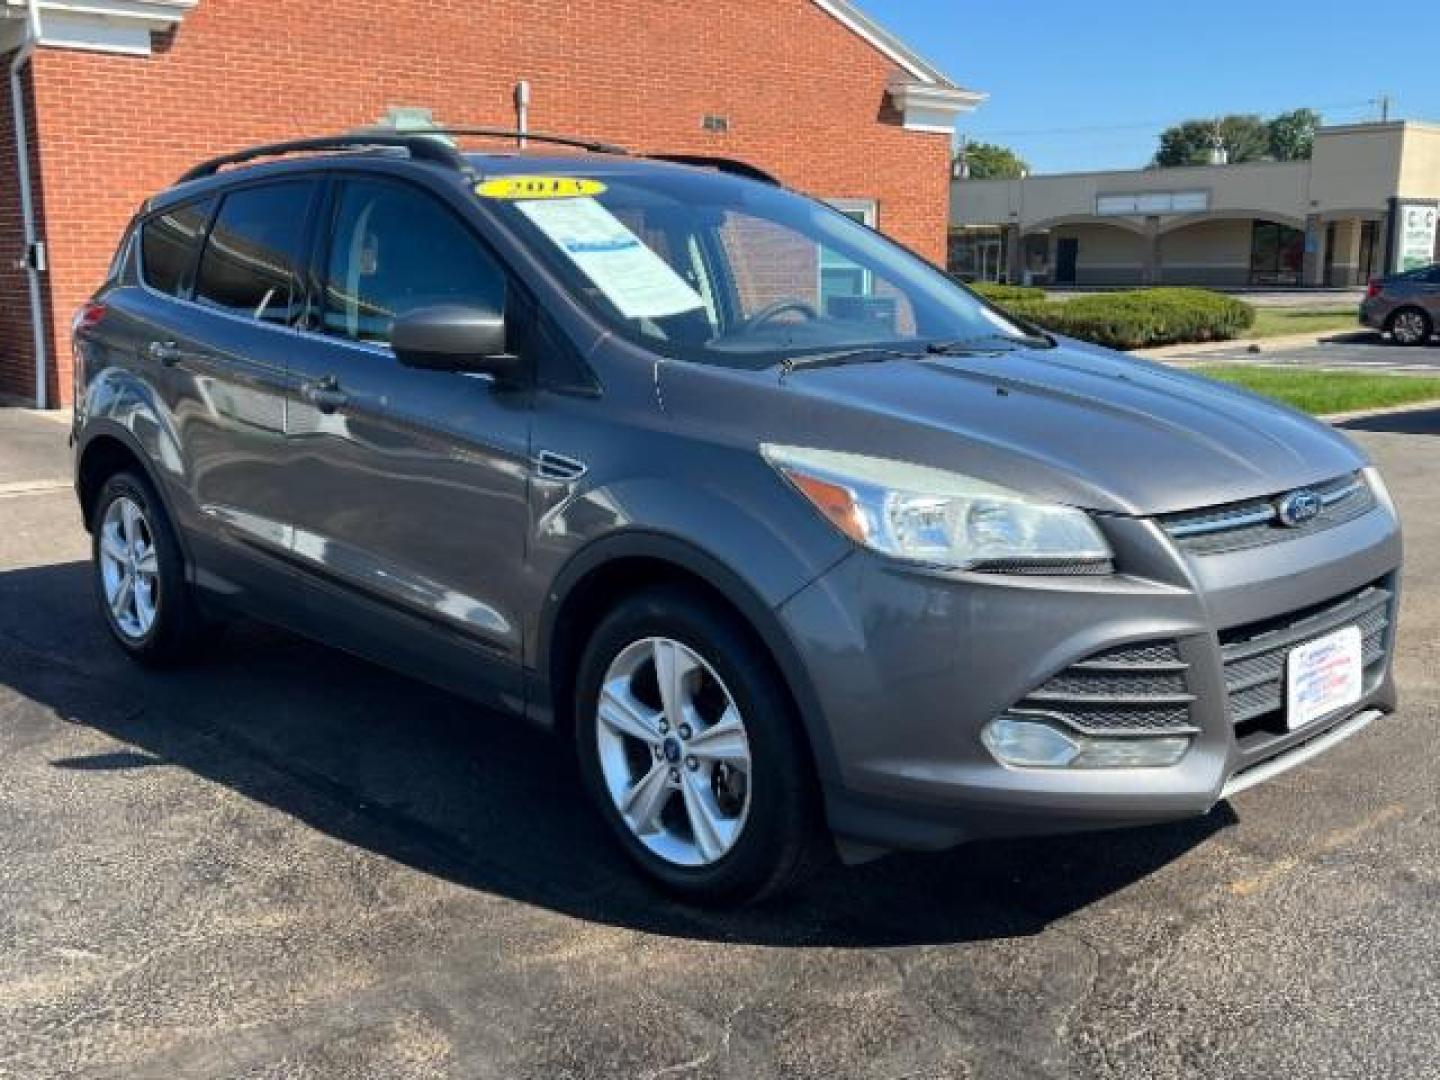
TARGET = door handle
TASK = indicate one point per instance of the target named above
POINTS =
(324, 393)
(164, 352)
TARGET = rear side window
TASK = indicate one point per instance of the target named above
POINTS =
(393, 249)
(169, 243)
(251, 263)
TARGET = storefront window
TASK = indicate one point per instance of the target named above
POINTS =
(1277, 254)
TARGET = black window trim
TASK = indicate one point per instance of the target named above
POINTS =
(217, 197)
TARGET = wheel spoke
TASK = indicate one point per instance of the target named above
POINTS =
(643, 802)
(713, 835)
(124, 594)
(147, 562)
(724, 741)
(130, 520)
(623, 714)
(672, 664)
(111, 544)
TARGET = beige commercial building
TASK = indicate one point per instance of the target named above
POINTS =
(1366, 203)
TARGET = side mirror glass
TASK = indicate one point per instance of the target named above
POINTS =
(455, 337)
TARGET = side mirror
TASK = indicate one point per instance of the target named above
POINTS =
(455, 337)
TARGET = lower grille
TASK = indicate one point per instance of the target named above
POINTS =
(1255, 656)
(1131, 690)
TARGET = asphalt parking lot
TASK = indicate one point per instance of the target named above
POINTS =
(1358, 350)
(288, 863)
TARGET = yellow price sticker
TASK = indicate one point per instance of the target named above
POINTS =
(538, 187)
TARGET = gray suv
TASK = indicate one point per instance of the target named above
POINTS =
(1405, 306)
(801, 544)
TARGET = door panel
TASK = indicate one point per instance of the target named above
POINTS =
(409, 488)
(222, 361)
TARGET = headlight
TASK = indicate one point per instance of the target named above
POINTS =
(939, 518)
(1379, 487)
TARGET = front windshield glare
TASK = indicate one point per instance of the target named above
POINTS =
(716, 270)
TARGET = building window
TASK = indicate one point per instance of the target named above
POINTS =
(839, 276)
(1277, 254)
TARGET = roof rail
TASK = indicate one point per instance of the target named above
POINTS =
(592, 145)
(721, 164)
(420, 146)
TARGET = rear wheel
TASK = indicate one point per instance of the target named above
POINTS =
(1410, 326)
(139, 573)
(690, 749)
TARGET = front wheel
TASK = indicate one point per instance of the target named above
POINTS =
(691, 750)
(1410, 326)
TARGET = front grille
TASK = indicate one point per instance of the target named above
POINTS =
(1255, 656)
(1131, 690)
(1256, 522)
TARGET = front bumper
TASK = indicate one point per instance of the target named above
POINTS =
(910, 664)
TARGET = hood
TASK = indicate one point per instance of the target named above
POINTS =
(1075, 424)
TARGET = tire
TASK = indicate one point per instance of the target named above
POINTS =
(767, 833)
(158, 625)
(1410, 326)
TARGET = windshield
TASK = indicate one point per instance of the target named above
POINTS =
(708, 268)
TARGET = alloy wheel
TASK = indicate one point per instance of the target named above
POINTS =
(674, 752)
(1409, 327)
(129, 568)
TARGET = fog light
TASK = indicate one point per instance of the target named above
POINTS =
(1031, 743)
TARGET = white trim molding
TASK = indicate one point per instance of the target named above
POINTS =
(930, 108)
(926, 98)
(113, 26)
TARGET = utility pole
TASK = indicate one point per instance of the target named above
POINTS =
(1384, 102)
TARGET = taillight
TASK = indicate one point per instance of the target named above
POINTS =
(1373, 290)
(90, 314)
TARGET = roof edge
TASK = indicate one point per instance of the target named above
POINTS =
(886, 42)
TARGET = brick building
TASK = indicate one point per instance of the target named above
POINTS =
(121, 95)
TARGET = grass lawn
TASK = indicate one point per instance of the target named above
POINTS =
(1275, 322)
(1323, 392)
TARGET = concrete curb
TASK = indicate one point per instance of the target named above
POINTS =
(1284, 341)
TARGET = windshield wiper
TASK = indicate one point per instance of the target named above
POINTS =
(874, 354)
(841, 357)
(960, 346)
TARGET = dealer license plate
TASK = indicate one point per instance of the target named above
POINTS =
(1324, 675)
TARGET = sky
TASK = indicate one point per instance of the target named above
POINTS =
(1076, 86)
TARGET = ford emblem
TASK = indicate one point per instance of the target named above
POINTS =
(1299, 508)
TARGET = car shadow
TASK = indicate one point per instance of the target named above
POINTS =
(410, 772)
(1408, 422)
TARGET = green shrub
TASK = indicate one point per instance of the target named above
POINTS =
(1007, 294)
(1141, 318)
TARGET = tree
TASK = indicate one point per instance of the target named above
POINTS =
(1292, 135)
(1244, 138)
(986, 161)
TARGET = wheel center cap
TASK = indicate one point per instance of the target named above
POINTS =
(673, 750)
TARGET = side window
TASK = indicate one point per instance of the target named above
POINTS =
(168, 244)
(250, 263)
(393, 249)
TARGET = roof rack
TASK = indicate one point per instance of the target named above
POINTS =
(430, 144)
(720, 164)
(420, 147)
(592, 145)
